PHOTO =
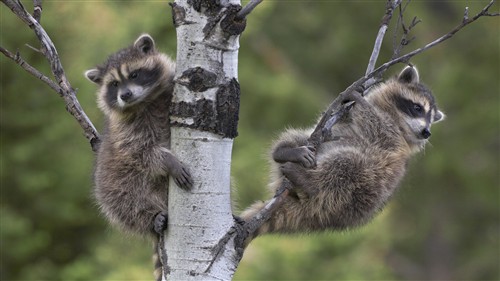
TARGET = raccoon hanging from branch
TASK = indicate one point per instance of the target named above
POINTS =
(133, 161)
(347, 179)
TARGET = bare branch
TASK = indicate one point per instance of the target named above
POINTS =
(63, 88)
(390, 6)
(31, 70)
(408, 56)
(336, 111)
(243, 13)
(404, 41)
(37, 10)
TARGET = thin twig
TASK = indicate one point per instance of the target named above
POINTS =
(31, 70)
(65, 90)
(404, 41)
(33, 48)
(408, 56)
(243, 13)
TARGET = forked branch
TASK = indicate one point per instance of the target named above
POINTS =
(405, 58)
(61, 84)
(336, 110)
(404, 41)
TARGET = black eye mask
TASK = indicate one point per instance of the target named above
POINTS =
(410, 108)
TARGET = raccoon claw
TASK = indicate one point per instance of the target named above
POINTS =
(306, 155)
(184, 181)
(182, 178)
(160, 222)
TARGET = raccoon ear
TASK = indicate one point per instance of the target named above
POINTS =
(409, 75)
(93, 75)
(145, 43)
(439, 116)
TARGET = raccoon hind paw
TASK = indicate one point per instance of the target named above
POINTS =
(160, 222)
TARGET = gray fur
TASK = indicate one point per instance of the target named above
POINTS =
(353, 174)
(133, 161)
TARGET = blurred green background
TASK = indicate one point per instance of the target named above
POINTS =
(295, 56)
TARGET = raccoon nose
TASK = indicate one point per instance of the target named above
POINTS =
(126, 95)
(426, 133)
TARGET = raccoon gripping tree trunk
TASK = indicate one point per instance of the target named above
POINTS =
(204, 115)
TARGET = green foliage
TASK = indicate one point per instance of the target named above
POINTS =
(295, 57)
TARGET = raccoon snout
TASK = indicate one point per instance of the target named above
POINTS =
(126, 95)
(426, 133)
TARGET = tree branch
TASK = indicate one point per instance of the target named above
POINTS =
(245, 11)
(405, 58)
(334, 112)
(390, 6)
(31, 70)
(404, 41)
(37, 10)
(62, 85)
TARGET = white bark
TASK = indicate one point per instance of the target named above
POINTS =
(199, 218)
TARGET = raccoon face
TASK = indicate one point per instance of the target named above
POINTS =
(416, 106)
(418, 116)
(132, 76)
(126, 87)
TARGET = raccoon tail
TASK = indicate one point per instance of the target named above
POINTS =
(158, 257)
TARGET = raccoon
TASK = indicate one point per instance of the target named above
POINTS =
(133, 161)
(347, 179)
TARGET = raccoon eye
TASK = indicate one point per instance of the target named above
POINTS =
(418, 108)
(114, 84)
(134, 75)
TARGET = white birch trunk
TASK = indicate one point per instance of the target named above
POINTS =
(199, 218)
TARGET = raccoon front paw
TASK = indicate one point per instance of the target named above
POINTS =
(181, 176)
(294, 172)
(306, 155)
(299, 178)
(160, 222)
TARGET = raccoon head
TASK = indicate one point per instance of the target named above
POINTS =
(132, 76)
(411, 104)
